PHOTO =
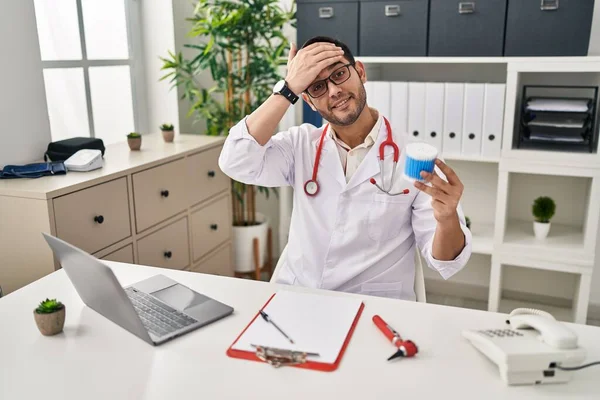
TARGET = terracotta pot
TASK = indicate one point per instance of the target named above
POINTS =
(168, 136)
(134, 143)
(50, 324)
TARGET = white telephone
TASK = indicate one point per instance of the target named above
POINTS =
(84, 160)
(530, 351)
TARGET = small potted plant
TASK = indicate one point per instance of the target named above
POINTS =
(168, 132)
(543, 210)
(50, 317)
(134, 140)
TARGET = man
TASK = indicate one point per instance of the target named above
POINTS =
(346, 234)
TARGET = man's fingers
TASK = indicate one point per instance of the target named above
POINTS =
(293, 52)
(434, 192)
(327, 54)
(449, 172)
(436, 181)
(327, 62)
(321, 47)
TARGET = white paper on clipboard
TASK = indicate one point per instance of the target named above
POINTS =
(316, 323)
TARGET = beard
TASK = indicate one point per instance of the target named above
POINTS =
(349, 116)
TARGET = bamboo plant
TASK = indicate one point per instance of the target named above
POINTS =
(242, 45)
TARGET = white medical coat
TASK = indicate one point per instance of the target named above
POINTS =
(349, 237)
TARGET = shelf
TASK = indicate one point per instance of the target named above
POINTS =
(560, 313)
(475, 60)
(458, 157)
(483, 238)
(563, 244)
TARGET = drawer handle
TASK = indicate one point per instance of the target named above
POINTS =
(164, 193)
(491, 137)
(325, 12)
(392, 10)
(168, 254)
(466, 7)
(452, 135)
(214, 227)
(549, 5)
(471, 136)
(211, 174)
(433, 134)
(416, 133)
(99, 219)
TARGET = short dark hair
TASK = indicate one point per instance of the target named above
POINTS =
(347, 52)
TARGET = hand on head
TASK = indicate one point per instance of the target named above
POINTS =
(306, 64)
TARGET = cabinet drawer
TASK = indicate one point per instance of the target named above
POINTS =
(167, 247)
(94, 218)
(393, 28)
(548, 27)
(334, 19)
(220, 263)
(467, 28)
(124, 255)
(211, 226)
(159, 193)
(205, 177)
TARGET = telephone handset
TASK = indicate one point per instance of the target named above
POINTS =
(529, 351)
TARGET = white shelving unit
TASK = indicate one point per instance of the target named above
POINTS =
(499, 191)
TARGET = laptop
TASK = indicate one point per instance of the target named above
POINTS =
(156, 309)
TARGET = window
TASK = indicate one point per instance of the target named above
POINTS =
(88, 48)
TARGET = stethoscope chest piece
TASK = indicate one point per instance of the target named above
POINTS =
(311, 187)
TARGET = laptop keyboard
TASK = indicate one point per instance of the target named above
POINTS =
(157, 317)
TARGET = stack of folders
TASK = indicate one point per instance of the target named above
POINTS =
(459, 119)
(558, 122)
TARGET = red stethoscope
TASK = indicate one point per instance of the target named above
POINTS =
(311, 187)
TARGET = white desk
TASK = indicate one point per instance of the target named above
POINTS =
(95, 359)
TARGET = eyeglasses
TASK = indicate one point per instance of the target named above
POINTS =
(339, 76)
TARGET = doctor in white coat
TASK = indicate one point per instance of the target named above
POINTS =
(346, 234)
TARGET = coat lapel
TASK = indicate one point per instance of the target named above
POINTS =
(369, 167)
(330, 163)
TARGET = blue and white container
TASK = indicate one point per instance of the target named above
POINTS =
(419, 157)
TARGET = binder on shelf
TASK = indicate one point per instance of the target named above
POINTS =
(416, 111)
(558, 118)
(399, 107)
(320, 327)
(493, 120)
(453, 118)
(472, 119)
(434, 114)
(378, 96)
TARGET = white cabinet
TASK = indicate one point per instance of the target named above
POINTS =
(482, 96)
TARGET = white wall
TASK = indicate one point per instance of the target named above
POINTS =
(25, 132)
(158, 37)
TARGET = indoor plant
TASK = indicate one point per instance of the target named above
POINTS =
(243, 46)
(134, 140)
(50, 317)
(168, 132)
(543, 210)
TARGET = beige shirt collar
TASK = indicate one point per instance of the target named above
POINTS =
(369, 140)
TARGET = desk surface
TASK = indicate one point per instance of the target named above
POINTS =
(95, 359)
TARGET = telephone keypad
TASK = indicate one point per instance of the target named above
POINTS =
(500, 333)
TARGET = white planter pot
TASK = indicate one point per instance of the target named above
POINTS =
(243, 237)
(541, 229)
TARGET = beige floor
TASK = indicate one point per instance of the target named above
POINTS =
(474, 304)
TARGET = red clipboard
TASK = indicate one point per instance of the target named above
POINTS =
(315, 365)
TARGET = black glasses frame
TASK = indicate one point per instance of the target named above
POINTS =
(326, 80)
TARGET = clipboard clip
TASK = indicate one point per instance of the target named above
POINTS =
(281, 357)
